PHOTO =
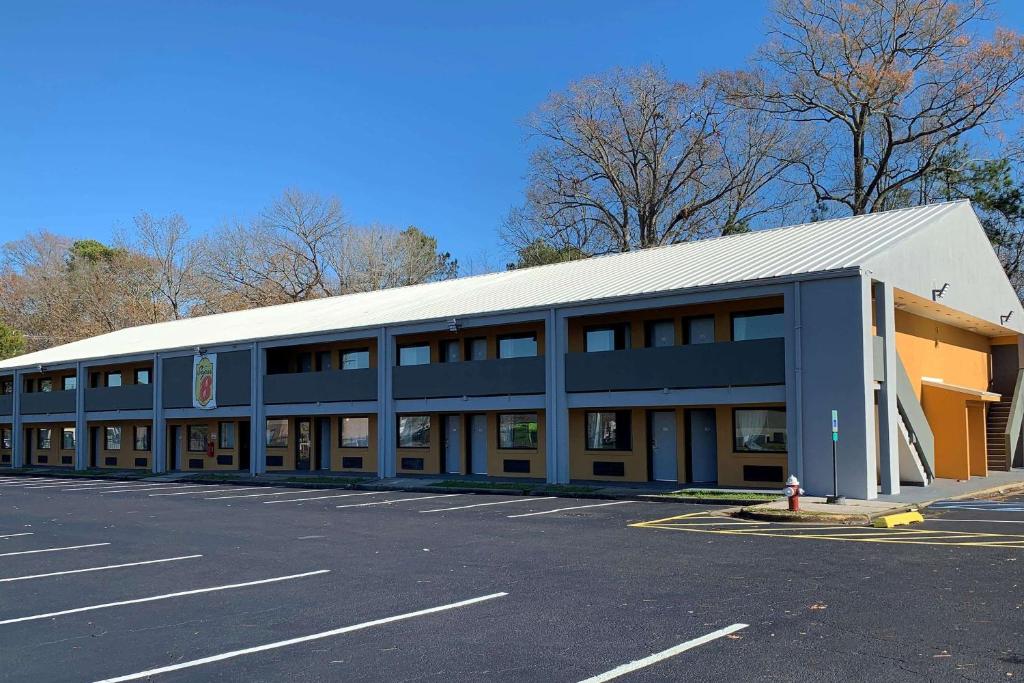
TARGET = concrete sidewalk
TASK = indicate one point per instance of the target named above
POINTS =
(814, 509)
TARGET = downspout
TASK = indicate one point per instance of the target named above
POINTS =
(798, 372)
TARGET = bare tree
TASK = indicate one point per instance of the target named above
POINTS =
(886, 86)
(174, 255)
(380, 257)
(631, 159)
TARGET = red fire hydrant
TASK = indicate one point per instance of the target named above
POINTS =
(793, 492)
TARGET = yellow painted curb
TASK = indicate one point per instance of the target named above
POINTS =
(889, 521)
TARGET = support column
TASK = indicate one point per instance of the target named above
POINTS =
(556, 336)
(159, 424)
(794, 380)
(257, 411)
(838, 374)
(17, 431)
(888, 444)
(81, 426)
(387, 424)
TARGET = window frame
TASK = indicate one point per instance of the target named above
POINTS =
(532, 336)
(39, 438)
(63, 438)
(617, 447)
(188, 437)
(318, 361)
(688, 339)
(286, 432)
(137, 373)
(113, 373)
(735, 435)
(6, 438)
(341, 431)
(467, 347)
(764, 312)
(624, 329)
(148, 442)
(64, 382)
(536, 422)
(108, 430)
(428, 432)
(44, 381)
(360, 350)
(417, 345)
(7, 387)
(222, 429)
(649, 326)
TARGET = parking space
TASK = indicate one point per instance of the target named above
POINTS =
(188, 582)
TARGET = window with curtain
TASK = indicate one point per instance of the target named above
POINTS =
(414, 431)
(112, 438)
(609, 431)
(67, 439)
(759, 430)
(43, 438)
(142, 438)
(226, 435)
(517, 430)
(197, 436)
(355, 432)
(277, 433)
(355, 359)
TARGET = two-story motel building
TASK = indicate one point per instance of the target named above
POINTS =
(712, 362)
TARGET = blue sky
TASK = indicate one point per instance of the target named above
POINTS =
(409, 111)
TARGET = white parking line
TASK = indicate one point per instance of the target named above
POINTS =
(166, 596)
(23, 533)
(575, 507)
(104, 484)
(205, 488)
(985, 521)
(302, 639)
(664, 654)
(53, 550)
(98, 569)
(77, 484)
(147, 489)
(257, 495)
(526, 499)
(340, 495)
(397, 500)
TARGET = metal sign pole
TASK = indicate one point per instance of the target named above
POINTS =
(835, 498)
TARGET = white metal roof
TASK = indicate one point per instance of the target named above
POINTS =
(789, 251)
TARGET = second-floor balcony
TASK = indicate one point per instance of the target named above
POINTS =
(47, 402)
(495, 377)
(126, 397)
(689, 366)
(327, 386)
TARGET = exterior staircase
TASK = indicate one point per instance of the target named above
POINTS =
(998, 457)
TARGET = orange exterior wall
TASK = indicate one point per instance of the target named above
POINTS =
(369, 455)
(491, 334)
(213, 427)
(55, 455)
(127, 456)
(929, 348)
(947, 416)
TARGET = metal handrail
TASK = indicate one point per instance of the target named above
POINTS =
(1011, 435)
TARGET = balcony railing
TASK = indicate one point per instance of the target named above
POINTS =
(127, 397)
(47, 402)
(328, 386)
(496, 377)
(691, 366)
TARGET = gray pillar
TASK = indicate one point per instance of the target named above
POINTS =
(387, 425)
(159, 424)
(17, 431)
(81, 426)
(794, 379)
(557, 338)
(837, 374)
(888, 444)
(257, 411)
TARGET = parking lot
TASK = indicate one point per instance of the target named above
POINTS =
(110, 581)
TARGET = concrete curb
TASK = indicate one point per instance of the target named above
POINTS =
(994, 492)
(806, 517)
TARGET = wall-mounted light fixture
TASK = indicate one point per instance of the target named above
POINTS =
(453, 325)
(200, 350)
(940, 292)
(1003, 319)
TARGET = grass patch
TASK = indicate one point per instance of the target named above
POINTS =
(723, 495)
(567, 488)
(345, 481)
(499, 485)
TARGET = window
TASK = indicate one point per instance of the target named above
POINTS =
(355, 432)
(517, 430)
(418, 354)
(414, 431)
(450, 351)
(355, 359)
(5, 438)
(113, 379)
(7, 386)
(197, 438)
(518, 346)
(277, 433)
(69, 383)
(304, 361)
(324, 361)
(613, 338)
(142, 375)
(476, 348)
(226, 436)
(43, 438)
(67, 439)
(46, 385)
(142, 437)
(277, 362)
(758, 325)
(609, 431)
(112, 438)
(700, 330)
(759, 430)
(660, 333)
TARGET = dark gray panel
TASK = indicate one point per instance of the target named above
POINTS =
(127, 397)
(233, 380)
(692, 366)
(43, 402)
(496, 377)
(321, 387)
(6, 404)
(1005, 365)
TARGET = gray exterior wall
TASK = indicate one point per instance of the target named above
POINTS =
(6, 404)
(41, 403)
(233, 380)
(127, 397)
(321, 387)
(496, 377)
(723, 364)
